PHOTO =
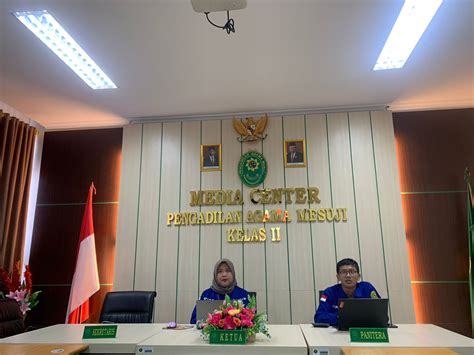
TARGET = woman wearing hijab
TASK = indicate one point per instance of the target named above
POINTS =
(224, 283)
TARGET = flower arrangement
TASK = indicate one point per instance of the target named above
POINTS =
(233, 315)
(20, 291)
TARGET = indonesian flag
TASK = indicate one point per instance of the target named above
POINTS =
(85, 281)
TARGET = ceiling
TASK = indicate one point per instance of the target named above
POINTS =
(167, 61)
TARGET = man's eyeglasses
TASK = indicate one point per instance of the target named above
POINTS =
(351, 272)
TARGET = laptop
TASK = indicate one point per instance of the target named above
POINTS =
(362, 312)
(203, 307)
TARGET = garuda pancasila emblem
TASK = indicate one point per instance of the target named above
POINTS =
(251, 130)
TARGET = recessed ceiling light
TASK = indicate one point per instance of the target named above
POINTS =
(411, 23)
(51, 33)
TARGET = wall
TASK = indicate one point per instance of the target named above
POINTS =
(434, 148)
(70, 161)
(351, 158)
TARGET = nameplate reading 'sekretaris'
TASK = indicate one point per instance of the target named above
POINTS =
(368, 335)
(99, 331)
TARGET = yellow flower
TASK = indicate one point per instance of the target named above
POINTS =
(234, 312)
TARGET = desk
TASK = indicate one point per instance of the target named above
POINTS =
(286, 339)
(396, 351)
(41, 349)
(128, 336)
(405, 336)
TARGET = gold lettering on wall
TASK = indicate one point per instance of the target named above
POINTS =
(268, 196)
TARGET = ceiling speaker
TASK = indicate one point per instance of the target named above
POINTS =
(218, 5)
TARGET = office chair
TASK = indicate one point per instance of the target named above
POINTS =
(11, 319)
(128, 307)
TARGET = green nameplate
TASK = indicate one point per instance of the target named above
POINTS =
(228, 337)
(369, 335)
(99, 331)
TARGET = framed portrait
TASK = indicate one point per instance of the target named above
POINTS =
(211, 157)
(295, 154)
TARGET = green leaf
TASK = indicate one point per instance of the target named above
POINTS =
(252, 302)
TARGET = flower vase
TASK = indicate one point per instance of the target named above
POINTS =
(251, 338)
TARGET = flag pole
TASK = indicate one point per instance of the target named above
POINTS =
(470, 239)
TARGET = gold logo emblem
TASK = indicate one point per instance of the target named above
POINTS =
(251, 130)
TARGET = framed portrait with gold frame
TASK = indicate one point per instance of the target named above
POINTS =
(295, 153)
(211, 157)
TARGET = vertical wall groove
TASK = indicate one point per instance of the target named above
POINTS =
(286, 226)
(330, 187)
(200, 227)
(220, 122)
(311, 223)
(243, 218)
(355, 200)
(179, 210)
(159, 207)
(265, 252)
(380, 218)
(138, 208)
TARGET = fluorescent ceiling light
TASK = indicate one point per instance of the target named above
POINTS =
(411, 23)
(50, 32)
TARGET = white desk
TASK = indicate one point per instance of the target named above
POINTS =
(286, 339)
(405, 336)
(128, 336)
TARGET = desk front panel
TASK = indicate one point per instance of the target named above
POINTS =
(128, 336)
(286, 339)
(329, 341)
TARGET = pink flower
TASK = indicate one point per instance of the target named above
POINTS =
(214, 318)
(18, 296)
(246, 321)
(248, 312)
(24, 307)
(229, 323)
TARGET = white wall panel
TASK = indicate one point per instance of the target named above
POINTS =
(147, 227)
(128, 208)
(231, 152)
(347, 243)
(299, 235)
(167, 256)
(324, 244)
(212, 236)
(188, 239)
(279, 306)
(372, 259)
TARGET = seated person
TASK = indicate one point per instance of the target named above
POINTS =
(224, 283)
(348, 287)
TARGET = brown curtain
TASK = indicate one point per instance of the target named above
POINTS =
(17, 141)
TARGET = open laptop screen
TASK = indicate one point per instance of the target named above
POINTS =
(203, 307)
(362, 312)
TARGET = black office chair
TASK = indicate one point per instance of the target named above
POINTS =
(128, 307)
(11, 319)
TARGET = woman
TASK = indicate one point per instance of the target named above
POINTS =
(224, 283)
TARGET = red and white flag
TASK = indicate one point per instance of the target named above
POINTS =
(85, 281)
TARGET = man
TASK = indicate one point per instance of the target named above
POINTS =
(293, 156)
(211, 159)
(348, 287)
